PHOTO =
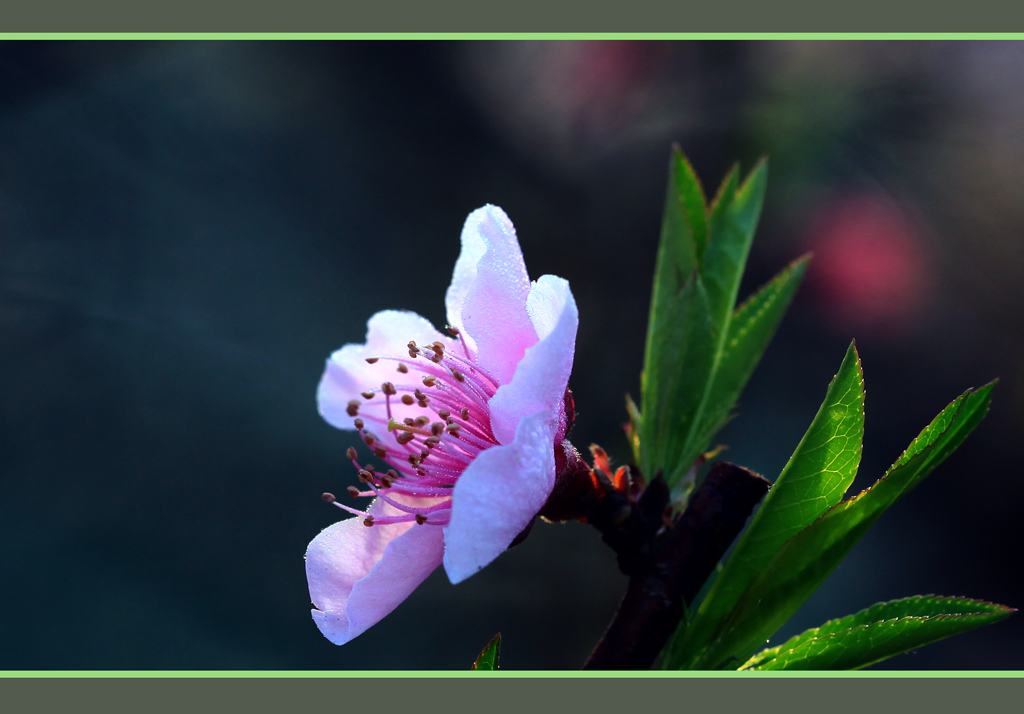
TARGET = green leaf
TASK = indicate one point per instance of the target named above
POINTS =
(801, 564)
(701, 259)
(488, 658)
(679, 352)
(814, 480)
(751, 329)
(879, 632)
(733, 221)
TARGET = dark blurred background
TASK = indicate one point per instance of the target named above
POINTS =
(188, 229)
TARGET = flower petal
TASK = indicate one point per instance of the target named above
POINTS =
(348, 374)
(487, 297)
(357, 575)
(498, 495)
(541, 378)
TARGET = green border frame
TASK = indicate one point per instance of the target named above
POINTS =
(505, 674)
(123, 675)
(833, 36)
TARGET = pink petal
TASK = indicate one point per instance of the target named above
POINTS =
(541, 378)
(357, 575)
(498, 495)
(487, 297)
(347, 372)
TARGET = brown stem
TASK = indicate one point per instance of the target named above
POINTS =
(671, 567)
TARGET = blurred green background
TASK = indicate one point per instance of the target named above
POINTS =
(188, 229)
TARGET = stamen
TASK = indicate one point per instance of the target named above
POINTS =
(365, 476)
(421, 519)
(437, 428)
(388, 388)
(351, 454)
(368, 521)
(459, 376)
(453, 331)
(372, 360)
(359, 424)
(353, 407)
(422, 420)
(464, 413)
(405, 437)
(430, 380)
(444, 413)
(367, 395)
(407, 400)
(380, 452)
(402, 368)
(352, 491)
(329, 497)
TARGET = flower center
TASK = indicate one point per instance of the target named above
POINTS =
(438, 410)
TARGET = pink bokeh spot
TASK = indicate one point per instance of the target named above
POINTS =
(871, 269)
(464, 423)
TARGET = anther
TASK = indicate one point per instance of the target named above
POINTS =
(407, 400)
(352, 491)
(329, 497)
(421, 519)
(459, 376)
(385, 482)
(367, 395)
(372, 360)
(453, 331)
(380, 452)
(368, 521)
(370, 439)
(365, 476)
(392, 474)
(453, 429)
(422, 420)
(444, 413)
(418, 394)
(449, 420)
(464, 414)
(351, 454)
(353, 407)
(430, 381)
(415, 459)
(438, 346)
(358, 423)
(369, 467)
(404, 437)
(422, 403)
(431, 441)
(389, 389)
(437, 356)
(437, 428)
(408, 421)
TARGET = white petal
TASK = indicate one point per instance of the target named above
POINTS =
(487, 297)
(347, 373)
(542, 375)
(357, 575)
(498, 495)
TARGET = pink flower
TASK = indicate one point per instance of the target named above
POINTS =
(466, 425)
